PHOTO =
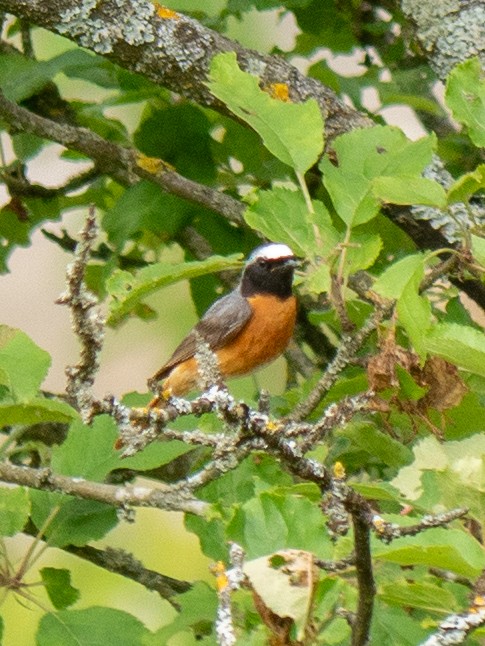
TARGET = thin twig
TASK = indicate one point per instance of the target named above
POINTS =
(336, 566)
(87, 323)
(121, 562)
(227, 581)
(390, 531)
(349, 346)
(455, 628)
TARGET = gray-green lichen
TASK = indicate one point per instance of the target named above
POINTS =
(184, 41)
(132, 23)
(457, 218)
(450, 30)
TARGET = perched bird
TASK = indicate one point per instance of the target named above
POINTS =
(247, 328)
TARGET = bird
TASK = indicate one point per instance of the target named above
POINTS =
(247, 328)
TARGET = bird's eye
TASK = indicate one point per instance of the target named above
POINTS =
(262, 262)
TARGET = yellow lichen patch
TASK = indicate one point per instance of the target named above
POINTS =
(152, 165)
(279, 91)
(273, 426)
(339, 471)
(167, 14)
(219, 571)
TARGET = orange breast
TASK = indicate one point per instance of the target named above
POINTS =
(261, 340)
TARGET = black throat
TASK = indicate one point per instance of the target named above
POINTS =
(273, 277)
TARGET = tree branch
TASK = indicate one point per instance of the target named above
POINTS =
(127, 165)
(361, 622)
(121, 562)
(174, 50)
(87, 323)
(449, 32)
(172, 499)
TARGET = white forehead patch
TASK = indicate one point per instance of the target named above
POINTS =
(272, 251)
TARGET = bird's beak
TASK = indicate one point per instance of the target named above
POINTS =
(296, 261)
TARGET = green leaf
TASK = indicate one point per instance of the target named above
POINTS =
(211, 535)
(408, 388)
(377, 491)
(395, 626)
(425, 596)
(18, 220)
(89, 452)
(23, 365)
(478, 249)
(393, 280)
(292, 132)
(198, 608)
(77, 521)
(14, 510)
(297, 227)
(254, 474)
(91, 116)
(127, 289)
(57, 583)
(414, 313)
(447, 475)
(90, 627)
(409, 190)
(36, 411)
(448, 549)
(401, 281)
(21, 76)
(180, 135)
(356, 206)
(266, 524)
(383, 151)
(363, 251)
(462, 345)
(370, 439)
(467, 185)
(319, 280)
(26, 145)
(465, 96)
(322, 22)
(144, 206)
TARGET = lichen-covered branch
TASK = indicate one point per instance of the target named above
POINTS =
(456, 628)
(173, 50)
(449, 31)
(87, 323)
(227, 581)
(122, 562)
(172, 499)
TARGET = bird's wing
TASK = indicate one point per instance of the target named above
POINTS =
(219, 325)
